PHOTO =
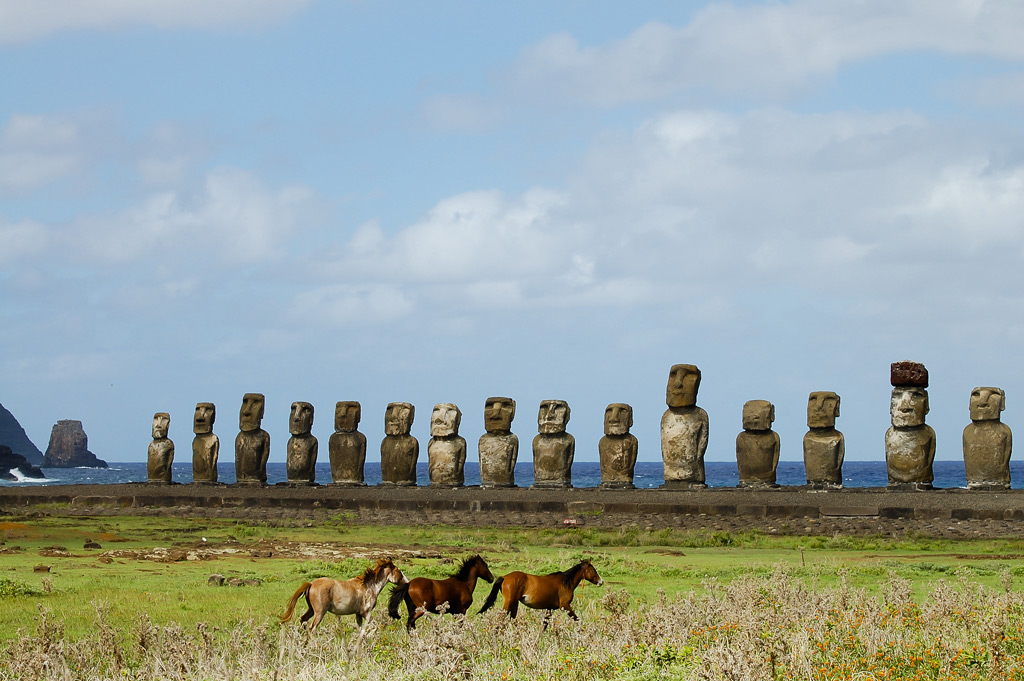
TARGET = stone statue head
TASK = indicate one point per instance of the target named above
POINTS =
(758, 415)
(908, 406)
(206, 414)
(553, 416)
(445, 420)
(986, 403)
(498, 414)
(161, 422)
(398, 418)
(251, 414)
(683, 383)
(618, 419)
(346, 416)
(822, 409)
(301, 420)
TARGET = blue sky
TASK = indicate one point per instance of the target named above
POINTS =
(440, 202)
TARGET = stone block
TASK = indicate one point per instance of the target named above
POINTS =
(907, 374)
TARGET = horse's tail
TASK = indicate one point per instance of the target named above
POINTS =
(301, 591)
(398, 594)
(493, 596)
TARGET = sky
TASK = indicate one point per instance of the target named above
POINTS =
(439, 202)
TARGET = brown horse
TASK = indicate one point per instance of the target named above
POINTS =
(423, 595)
(542, 592)
(356, 596)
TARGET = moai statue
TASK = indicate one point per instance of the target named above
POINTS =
(498, 447)
(757, 447)
(987, 441)
(617, 448)
(824, 446)
(909, 443)
(684, 430)
(399, 450)
(161, 450)
(252, 445)
(553, 448)
(347, 446)
(205, 445)
(446, 451)
(300, 462)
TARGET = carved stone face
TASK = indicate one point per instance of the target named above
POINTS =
(202, 422)
(398, 418)
(822, 409)
(908, 406)
(346, 416)
(444, 420)
(683, 383)
(301, 420)
(498, 414)
(161, 422)
(553, 416)
(618, 419)
(251, 414)
(758, 415)
(986, 403)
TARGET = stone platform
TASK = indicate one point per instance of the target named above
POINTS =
(528, 507)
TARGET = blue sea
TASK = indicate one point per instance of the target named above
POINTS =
(584, 474)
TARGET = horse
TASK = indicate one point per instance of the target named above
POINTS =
(356, 596)
(542, 592)
(423, 595)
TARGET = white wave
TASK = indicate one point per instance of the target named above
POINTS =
(21, 477)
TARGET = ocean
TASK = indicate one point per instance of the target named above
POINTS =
(647, 474)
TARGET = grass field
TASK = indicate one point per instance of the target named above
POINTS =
(674, 604)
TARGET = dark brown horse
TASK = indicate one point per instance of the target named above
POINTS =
(356, 596)
(542, 592)
(423, 595)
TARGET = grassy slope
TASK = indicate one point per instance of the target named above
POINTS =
(637, 561)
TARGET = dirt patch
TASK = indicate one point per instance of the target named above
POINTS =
(287, 550)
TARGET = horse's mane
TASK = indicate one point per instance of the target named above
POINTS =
(569, 574)
(372, 572)
(467, 565)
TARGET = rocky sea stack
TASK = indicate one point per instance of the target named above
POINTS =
(69, 447)
(10, 461)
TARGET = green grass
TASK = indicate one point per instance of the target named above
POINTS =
(638, 561)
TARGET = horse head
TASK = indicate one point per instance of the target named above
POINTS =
(396, 576)
(480, 566)
(590, 573)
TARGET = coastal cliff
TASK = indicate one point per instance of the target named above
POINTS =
(69, 447)
(14, 436)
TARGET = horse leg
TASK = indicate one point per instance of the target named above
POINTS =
(316, 618)
(547, 619)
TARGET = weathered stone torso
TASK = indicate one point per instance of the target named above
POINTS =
(348, 457)
(987, 448)
(824, 450)
(909, 453)
(757, 456)
(618, 459)
(446, 458)
(498, 454)
(301, 459)
(252, 449)
(684, 439)
(205, 452)
(159, 459)
(552, 459)
(398, 457)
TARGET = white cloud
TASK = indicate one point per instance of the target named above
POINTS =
(232, 216)
(37, 150)
(22, 239)
(766, 50)
(24, 21)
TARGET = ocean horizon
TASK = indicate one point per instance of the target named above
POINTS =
(647, 474)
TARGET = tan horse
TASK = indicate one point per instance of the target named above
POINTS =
(356, 596)
(542, 592)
